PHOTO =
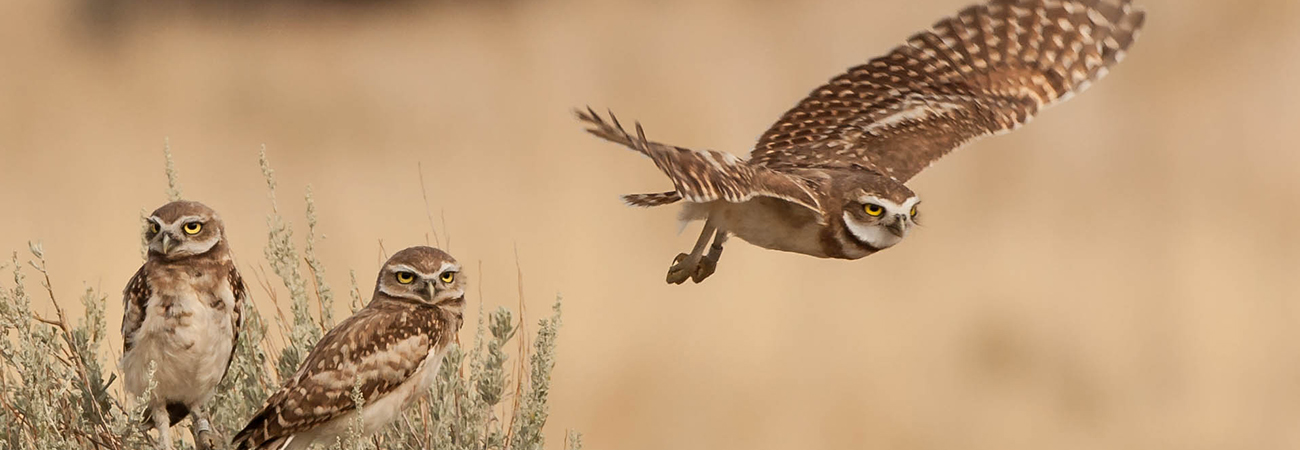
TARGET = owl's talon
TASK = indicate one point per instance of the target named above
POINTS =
(705, 268)
(680, 257)
(680, 271)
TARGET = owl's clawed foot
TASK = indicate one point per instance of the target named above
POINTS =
(207, 440)
(695, 269)
(698, 265)
(681, 269)
(706, 266)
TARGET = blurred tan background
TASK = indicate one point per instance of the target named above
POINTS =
(1122, 273)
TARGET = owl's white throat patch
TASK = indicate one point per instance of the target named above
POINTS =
(875, 235)
(878, 235)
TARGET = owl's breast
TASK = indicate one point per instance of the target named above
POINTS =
(189, 340)
(181, 321)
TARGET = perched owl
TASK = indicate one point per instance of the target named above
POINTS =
(391, 349)
(827, 179)
(182, 312)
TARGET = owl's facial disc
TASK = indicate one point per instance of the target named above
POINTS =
(878, 222)
(442, 287)
(186, 236)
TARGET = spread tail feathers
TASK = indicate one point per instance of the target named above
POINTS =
(611, 131)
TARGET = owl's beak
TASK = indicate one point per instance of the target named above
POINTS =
(899, 226)
(428, 285)
(167, 243)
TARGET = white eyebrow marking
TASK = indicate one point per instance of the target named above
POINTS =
(406, 268)
(890, 205)
(182, 219)
(448, 266)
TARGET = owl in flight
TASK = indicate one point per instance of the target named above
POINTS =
(827, 179)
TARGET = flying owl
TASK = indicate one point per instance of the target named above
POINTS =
(182, 313)
(391, 349)
(827, 179)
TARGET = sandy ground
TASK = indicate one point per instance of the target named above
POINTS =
(1121, 273)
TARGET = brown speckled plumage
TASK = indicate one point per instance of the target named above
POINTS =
(986, 70)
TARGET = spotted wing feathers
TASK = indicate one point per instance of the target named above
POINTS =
(240, 291)
(701, 175)
(135, 297)
(135, 300)
(987, 70)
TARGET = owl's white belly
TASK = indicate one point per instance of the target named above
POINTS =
(191, 345)
(380, 411)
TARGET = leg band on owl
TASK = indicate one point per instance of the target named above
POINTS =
(201, 424)
(719, 238)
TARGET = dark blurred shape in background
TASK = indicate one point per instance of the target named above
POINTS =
(107, 19)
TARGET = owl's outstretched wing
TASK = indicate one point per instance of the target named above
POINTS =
(702, 175)
(376, 349)
(987, 70)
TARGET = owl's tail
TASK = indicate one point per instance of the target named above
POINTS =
(649, 200)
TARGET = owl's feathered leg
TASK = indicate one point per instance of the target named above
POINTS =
(162, 421)
(204, 437)
(685, 266)
(709, 263)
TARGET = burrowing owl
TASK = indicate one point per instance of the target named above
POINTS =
(182, 313)
(827, 179)
(391, 349)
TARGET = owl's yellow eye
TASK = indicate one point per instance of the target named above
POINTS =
(913, 211)
(153, 227)
(448, 277)
(873, 209)
(405, 277)
(193, 228)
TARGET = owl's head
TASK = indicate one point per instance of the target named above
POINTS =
(423, 274)
(182, 229)
(878, 212)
